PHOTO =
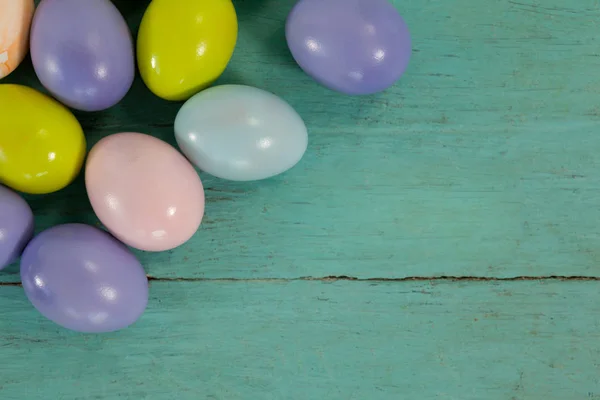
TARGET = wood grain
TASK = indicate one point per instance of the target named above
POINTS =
(318, 340)
(480, 162)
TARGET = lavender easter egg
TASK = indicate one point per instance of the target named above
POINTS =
(83, 279)
(356, 47)
(16, 225)
(82, 52)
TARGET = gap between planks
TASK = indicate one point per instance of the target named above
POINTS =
(355, 279)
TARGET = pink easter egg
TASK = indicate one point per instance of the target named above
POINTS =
(144, 191)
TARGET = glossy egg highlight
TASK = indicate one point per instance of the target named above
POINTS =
(184, 45)
(82, 52)
(240, 133)
(356, 47)
(83, 279)
(16, 225)
(15, 22)
(42, 146)
(144, 191)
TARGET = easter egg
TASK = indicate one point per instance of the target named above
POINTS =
(42, 146)
(83, 279)
(144, 191)
(185, 45)
(16, 225)
(15, 20)
(356, 47)
(240, 133)
(82, 52)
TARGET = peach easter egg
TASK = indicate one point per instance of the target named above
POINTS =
(15, 21)
(144, 191)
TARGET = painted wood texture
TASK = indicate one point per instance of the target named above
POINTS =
(481, 162)
(316, 340)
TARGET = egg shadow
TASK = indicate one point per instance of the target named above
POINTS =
(132, 10)
(245, 7)
(142, 111)
(264, 22)
(25, 75)
(11, 273)
(231, 76)
(69, 205)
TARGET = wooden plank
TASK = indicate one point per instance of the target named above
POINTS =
(482, 161)
(318, 340)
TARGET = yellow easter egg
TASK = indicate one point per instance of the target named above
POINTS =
(15, 21)
(42, 145)
(184, 45)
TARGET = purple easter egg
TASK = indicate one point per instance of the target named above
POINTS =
(16, 225)
(83, 279)
(82, 52)
(355, 47)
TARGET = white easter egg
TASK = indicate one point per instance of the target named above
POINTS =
(240, 133)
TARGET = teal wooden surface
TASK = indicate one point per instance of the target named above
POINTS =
(481, 163)
(316, 340)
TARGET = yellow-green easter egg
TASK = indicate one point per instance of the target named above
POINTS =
(184, 45)
(42, 145)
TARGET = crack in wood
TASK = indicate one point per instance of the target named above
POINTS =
(334, 278)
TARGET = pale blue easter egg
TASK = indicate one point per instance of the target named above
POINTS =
(240, 133)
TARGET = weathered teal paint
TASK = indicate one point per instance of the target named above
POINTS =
(319, 340)
(481, 162)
